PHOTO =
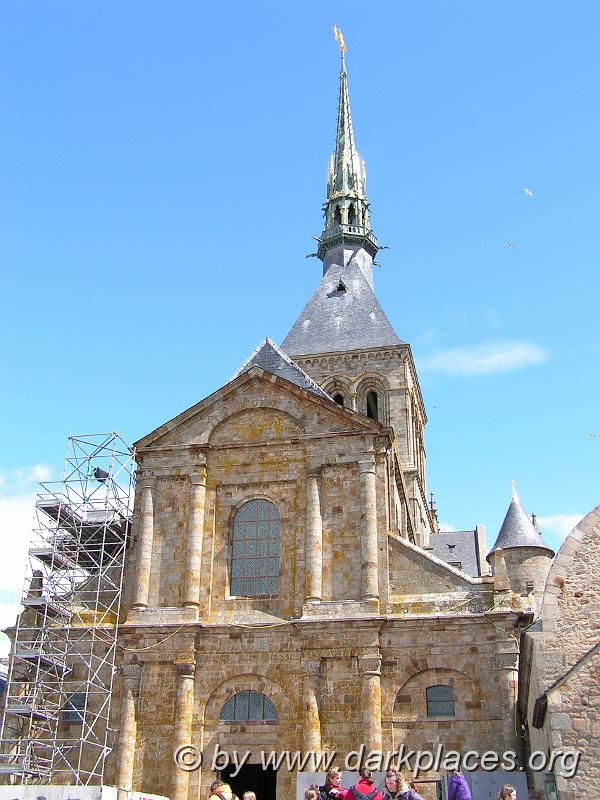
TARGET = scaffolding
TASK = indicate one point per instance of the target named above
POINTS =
(56, 725)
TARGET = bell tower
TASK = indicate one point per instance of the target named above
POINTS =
(343, 339)
(347, 232)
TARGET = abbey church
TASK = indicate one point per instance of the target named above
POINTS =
(286, 584)
(287, 587)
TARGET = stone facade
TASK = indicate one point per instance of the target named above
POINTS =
(560, 684)
(363, 622)
(339, 622)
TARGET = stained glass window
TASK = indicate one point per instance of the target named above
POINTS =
(248, 706)
(255, 550)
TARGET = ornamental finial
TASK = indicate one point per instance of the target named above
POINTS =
(339, 37)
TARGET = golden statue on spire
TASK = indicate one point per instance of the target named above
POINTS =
(339, 37)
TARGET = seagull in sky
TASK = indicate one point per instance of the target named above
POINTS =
(527, 192)
(511, 246)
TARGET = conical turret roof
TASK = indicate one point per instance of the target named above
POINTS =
(517, 530)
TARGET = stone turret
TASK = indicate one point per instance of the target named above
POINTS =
(522, 549)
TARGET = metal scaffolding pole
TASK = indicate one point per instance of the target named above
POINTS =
(55, 726)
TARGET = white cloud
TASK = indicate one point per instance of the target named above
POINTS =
(8, 617)
(447, 527)
(16, 515)
(556, 527)
(484, 359)
(21, 478)
(39, 472)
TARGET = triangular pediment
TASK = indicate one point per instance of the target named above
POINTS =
(287, 408)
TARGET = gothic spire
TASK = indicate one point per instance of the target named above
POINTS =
(347, 229)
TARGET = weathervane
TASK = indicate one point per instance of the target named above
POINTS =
(339, 37)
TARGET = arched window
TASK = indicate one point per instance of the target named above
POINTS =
(248, 706)
(339, 399)
(372, 411)
(440, 701)
(255, 550)
(337, 215)
(351, 215)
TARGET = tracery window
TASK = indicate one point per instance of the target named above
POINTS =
(255, 550)
(440, 701)
(248, 706)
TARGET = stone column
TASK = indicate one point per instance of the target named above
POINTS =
(191, 595)
(127, 730)
(370, 667)
(353, 401)
(142, 583)
(183, 726)
(314, 541)
(368, 532)
(311, 722)
(507, 663)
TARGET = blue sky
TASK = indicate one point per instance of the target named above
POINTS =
(162, 169)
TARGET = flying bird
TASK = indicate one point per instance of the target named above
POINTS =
(511, 246)
(527, 192)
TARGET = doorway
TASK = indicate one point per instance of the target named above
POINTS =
(252, 778)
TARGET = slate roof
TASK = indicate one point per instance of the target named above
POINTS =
(335, 320)
(272, 359)
(457, 547)
(518, 530)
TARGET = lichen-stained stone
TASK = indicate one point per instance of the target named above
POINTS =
(340, 671)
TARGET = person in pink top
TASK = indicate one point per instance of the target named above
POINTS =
(364, 789)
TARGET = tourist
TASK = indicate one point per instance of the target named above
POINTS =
(390, 786)
(458, 788)
(363, 790)
(312, 793)
(507, 792)
(332, 789)
(405, 790)
(221, 791)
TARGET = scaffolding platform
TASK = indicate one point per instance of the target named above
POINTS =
(46, 660)
(28, 710)
(45, 605)
(63, 647)
(53, 557)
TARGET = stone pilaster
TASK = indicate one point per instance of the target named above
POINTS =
(314, 541)
(312, 722)
(368, 532)
(142, 582)
(191, 596)
(183, 726)
(507, 664)
(127, 729)
(370, 668)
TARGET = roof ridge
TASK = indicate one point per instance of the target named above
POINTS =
(307, 381)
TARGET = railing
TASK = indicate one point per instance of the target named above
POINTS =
(340, 228)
